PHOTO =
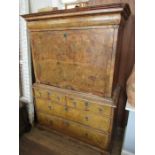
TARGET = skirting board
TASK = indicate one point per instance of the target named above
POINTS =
(124, 152)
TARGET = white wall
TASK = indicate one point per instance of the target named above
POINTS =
(25, 62)
(38, 4)
(129, 139)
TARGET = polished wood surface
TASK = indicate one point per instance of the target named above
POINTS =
(83, 117)
(77, 60)
(75, 130)
(122, 8)
(87, 112)
(76, 56)
(76, 114)
(63, 48)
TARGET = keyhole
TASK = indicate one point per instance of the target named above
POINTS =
(86, 134)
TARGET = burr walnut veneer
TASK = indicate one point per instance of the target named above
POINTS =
(76, 55)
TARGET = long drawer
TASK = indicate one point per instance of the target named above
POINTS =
(88, 118)
(75, 130)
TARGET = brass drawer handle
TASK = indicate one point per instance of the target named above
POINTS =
(66, 123)
(50, 107)
(86, 118)
(48, 95)
(66, 109)
(65, 35)
(86, 104)
(100, 110)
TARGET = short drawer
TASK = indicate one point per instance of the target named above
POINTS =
(75, 130)
(51, 95)
(86, 105)
(99, 122)
(43, 93)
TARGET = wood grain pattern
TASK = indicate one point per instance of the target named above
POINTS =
(77, 59)
(120, 8)
(98, 122)
(58, 94)
(74, 22)
(79, 52)
(75, 130)
(89, 52)
(81, 110)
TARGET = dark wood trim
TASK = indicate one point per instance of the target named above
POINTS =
(122, 8)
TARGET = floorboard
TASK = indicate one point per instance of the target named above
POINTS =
(42, 142)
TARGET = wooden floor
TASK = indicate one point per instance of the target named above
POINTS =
(42, 142)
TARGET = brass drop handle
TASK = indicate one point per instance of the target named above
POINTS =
(100, 109)
(66, 109)
(86, 104)
(86, 118)
(66, 123)
(48, 95)
(65, 35)
(50, 107)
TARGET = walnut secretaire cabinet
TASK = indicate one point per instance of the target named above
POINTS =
(76, 55)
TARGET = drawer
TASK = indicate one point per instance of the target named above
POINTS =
(86, 105)
(75, 130)
(57, 97)
(99, 122)
(42, 93)
(51, 95)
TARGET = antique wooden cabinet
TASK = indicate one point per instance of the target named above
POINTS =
(76, 55)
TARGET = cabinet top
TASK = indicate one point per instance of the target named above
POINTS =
(121, 8)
